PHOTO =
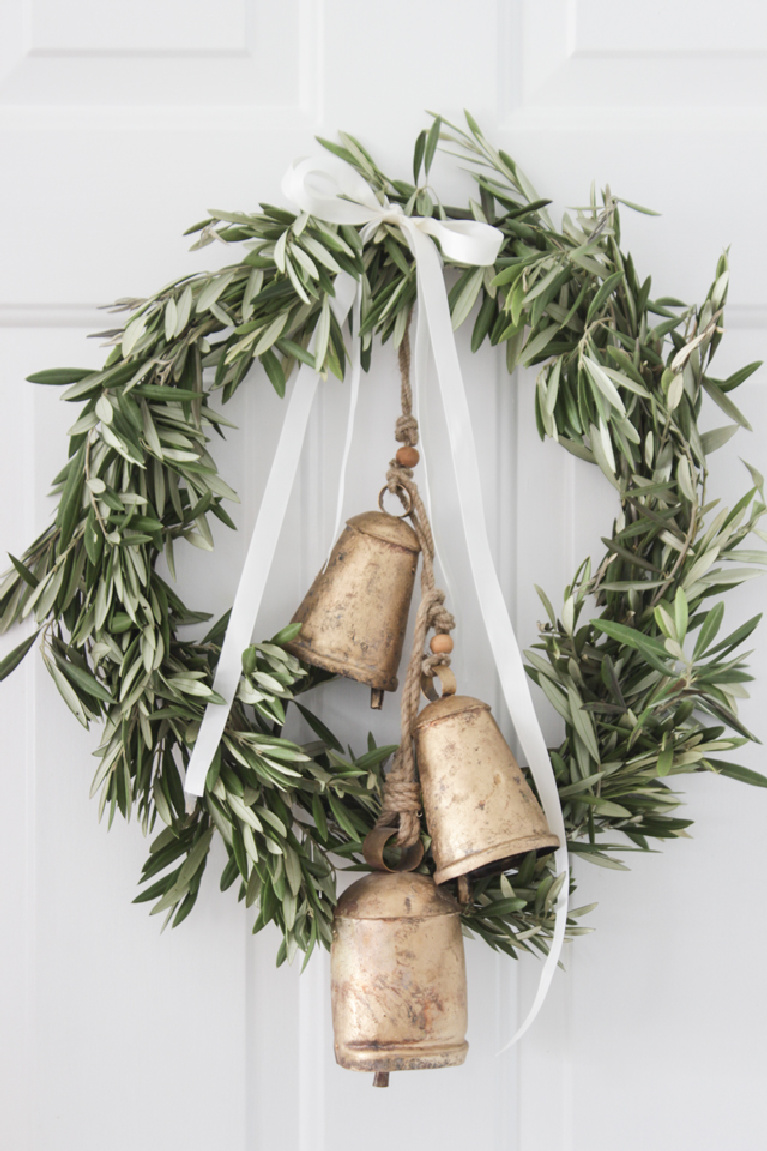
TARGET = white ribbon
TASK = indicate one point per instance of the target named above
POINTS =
(354, 391)
(332, 191)
(263, 543)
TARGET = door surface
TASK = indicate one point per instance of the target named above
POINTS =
(119, 126)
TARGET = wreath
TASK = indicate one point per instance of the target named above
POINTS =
(632, 661)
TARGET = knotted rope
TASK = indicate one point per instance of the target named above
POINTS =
(401, 797)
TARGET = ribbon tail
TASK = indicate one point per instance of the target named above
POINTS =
(495, 614)
(354, 391)
(250, 590)
(420, 402)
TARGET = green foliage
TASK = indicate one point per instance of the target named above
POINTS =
(646, 688)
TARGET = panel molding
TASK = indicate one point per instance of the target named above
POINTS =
(551, 79)
(269, 76)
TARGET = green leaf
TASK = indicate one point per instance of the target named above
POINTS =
(604, 384)
(483, 322)
(432, 140)
(318, 727)
(111, 377)
(607, 288)
(66, 692)
(59, 376)
(680, 614)
(654, 652)
(273, 369)
(14, 658)
(29, 577)
(418, 151)
(738, 377)
(582, 722)
(287, 634)
(725, 403)
(463, 301)
(717, 438)
(537, 345)
(735, 771)
(70, 505)
(84, 680)
(737, 637)
(665, 760)
(636, 207)
(709, 628)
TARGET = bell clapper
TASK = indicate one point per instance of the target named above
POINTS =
(464, 890)
(381, 1079)
(376, 698)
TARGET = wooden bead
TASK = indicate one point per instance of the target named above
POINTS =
(407, 457)
(441, 644)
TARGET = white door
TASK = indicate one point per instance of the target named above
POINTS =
(119, 126)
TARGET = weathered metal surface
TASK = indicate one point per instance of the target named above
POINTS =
(480, 810)
(398, 979)
(354, 616)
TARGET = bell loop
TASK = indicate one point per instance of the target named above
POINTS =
(404, 497)
(447, 680)
(373, 849)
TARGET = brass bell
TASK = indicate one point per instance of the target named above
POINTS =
(398, 978)
(354, 616)
(479, 808)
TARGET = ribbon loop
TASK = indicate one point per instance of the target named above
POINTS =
(328, 188)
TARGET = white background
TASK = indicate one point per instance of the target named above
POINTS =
(119, 126)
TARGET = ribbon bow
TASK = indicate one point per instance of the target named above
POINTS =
(332, 191)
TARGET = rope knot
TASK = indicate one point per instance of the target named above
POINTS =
(406, 430)
(400, 795)
(443, 621)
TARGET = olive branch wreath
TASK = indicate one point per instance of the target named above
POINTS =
(644, 684)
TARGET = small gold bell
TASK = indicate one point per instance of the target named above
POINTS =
(398, 979)
(354, 615)
(479, 808)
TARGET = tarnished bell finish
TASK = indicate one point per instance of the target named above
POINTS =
(479, 808)
(398, 979)
(354, 616)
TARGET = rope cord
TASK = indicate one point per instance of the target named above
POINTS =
(401, 798)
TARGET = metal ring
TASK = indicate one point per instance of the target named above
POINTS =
(447, 681)
(407, 506)
(374, 844)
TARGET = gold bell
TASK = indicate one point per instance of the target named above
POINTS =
(398, 978)
(479, 808)
(354, 615)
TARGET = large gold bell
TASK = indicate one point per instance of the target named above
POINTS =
(398, 979)
(480, 810)
(354, 616)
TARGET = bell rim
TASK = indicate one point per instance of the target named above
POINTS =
(400, 1056)
(495, 854)
(342, 668)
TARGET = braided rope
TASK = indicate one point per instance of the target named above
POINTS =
(401, 799)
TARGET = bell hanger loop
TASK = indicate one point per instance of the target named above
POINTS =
(447, 680)
(373, 849)
(405, 499)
